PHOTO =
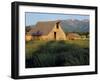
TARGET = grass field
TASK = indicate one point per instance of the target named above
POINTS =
(57, 53)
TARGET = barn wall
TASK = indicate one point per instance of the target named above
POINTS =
(60, 35)
(44, 37)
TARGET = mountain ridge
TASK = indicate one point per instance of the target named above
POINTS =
(75, 25)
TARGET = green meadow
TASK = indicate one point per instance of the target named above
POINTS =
(41, 53)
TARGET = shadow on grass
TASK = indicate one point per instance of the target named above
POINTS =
(58, 53)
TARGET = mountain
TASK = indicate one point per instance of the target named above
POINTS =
(73, 25)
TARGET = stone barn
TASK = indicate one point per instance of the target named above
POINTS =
(49, 30)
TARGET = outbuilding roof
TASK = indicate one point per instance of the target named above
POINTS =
(73, 35)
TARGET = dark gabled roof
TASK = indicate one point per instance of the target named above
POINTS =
(43, 27)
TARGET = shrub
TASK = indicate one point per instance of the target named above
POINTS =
(58, 53)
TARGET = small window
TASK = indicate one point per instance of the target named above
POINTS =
(57, 25)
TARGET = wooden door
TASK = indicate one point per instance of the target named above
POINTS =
(55, 35)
